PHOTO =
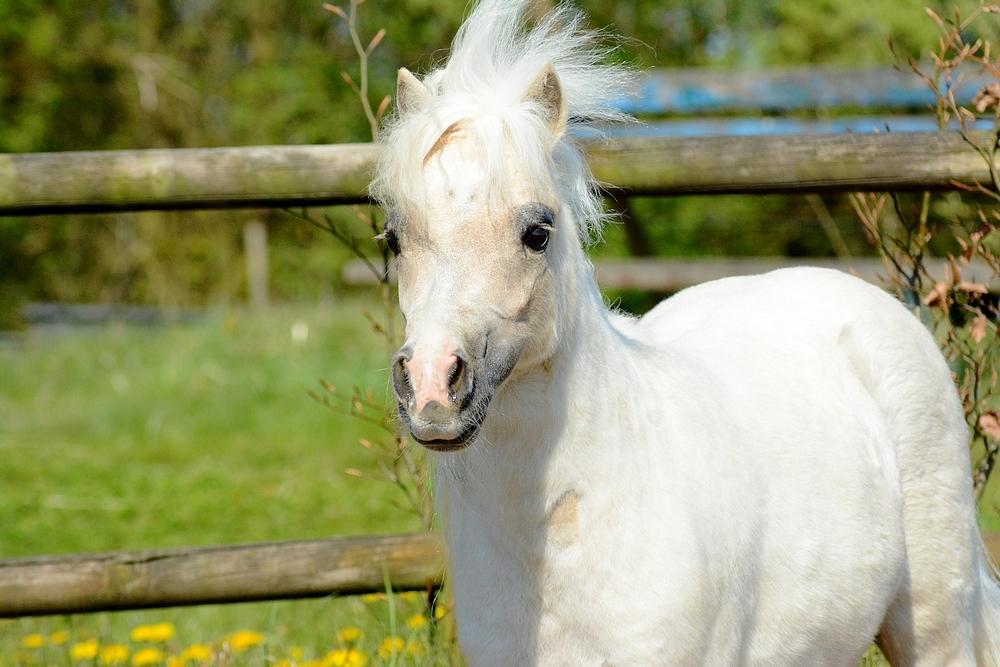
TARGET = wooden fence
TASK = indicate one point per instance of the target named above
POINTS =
(644, 161)
(293, 176)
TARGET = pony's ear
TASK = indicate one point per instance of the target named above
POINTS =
(411, 93)
(546, 92)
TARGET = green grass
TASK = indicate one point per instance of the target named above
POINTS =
(121, 437)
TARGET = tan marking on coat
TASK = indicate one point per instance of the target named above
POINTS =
(564, 519)
(443, 140)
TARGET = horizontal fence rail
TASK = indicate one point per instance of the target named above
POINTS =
(668, 275)
(241, 573)
(83, 314)
(184, 178)
(292, 176)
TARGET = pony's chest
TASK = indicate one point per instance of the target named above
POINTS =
(613, 586)
(593, 585)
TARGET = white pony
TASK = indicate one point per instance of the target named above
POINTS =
(769, 470)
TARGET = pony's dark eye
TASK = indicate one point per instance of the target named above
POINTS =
(392, 241)
(536, 237)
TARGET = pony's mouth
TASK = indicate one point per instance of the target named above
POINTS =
(465, 437)
(453, 445)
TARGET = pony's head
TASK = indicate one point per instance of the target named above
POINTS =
(489, 203)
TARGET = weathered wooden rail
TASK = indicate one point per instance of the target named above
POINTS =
(240, 573)
(291, 176)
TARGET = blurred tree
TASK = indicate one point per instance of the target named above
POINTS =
(108, 74)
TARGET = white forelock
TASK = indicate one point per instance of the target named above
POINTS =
(495, 58)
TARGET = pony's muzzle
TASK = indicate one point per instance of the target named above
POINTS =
(432, 389)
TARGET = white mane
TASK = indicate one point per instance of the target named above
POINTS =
(494, 59)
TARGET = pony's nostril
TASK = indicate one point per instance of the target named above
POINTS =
(401, 379)
(456, 371)
(456, 378)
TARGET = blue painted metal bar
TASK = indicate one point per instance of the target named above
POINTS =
(772, 126)
(700, 91)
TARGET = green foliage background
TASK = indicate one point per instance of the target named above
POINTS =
(211, 423)
(107, 74)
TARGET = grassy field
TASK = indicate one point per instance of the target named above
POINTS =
(119, 437)
(125, 437)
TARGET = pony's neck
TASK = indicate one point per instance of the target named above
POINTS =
(544, 425)
(585, 371)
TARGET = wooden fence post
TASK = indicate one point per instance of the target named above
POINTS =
(255, 252)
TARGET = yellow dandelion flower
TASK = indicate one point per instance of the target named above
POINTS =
(33, 641)
(295, 653)
(349, 635)
(344, 658)
(84, 650)
(414, 648)
(197, 653)
(416, 622)
(410, 596)
(336, 658)
(155, 633)
(114, 654)
(284, 662)
(175, 661)
(439, 612)
(148, 656)
(59, 637)
(245, 639)
(390, 646)
(371, 598)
